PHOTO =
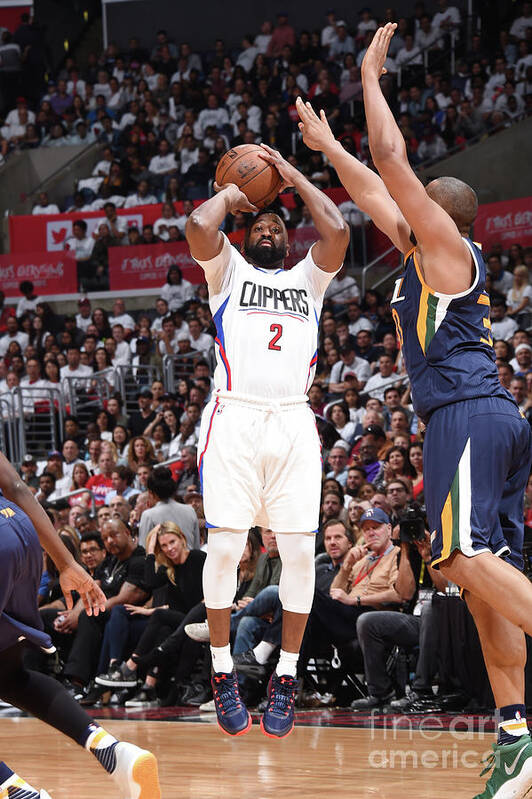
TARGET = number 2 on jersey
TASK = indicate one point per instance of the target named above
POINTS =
(278, 330)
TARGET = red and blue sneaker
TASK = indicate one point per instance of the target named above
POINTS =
(278, 718)
(233, 715)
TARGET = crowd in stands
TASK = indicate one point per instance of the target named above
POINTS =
(165, 114)
(137, 523)
(146, 535)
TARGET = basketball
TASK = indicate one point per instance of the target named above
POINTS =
(244, 166)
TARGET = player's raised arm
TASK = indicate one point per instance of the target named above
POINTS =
(202, 229)
(446, 261)
(329, 251)
(364, 186)
(72, 576)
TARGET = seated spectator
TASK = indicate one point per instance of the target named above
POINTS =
(523, 356)
(379, 632)
(172, 566)
(342, 289)
(162, 488)
(502, 326)
(142, 196)
(101, 484)
(349, 372)
(338, 415)
(80, 244)
(176, 291)
(44, 206)
(199, 340)
(381, 379)
(372, 439)
(519, 296)
(120, 317)
(121, 577)
(166, 222)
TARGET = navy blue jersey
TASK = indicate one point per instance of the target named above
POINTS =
(445, 338)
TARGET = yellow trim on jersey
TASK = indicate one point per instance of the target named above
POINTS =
(447, 528)
(407, 255)
(483, 300)
(420, 274)
(422, 317)
(7, 512)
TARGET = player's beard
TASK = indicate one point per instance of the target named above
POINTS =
(267, 257)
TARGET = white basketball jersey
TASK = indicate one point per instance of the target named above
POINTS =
(266, 323)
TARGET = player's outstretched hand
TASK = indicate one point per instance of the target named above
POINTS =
(288, 172)
(316, 131)
(74, 578)
(377, 52)
(239, 201)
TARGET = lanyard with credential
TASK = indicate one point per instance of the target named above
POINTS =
(365, 574)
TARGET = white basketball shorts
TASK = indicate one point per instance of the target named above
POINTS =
(260, 464)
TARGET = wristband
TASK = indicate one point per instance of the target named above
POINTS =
(358, 602)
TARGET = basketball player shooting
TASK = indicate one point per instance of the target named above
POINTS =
(259, 451)
(477, 445)
(24, 528)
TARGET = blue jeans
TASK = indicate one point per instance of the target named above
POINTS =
(122, 629)
(248, 624)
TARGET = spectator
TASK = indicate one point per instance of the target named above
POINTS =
(502, 326)
(44, 206)
(176, 291)
(338, 457)
(349, 372)
(518, 297)
(161, 489)
(122, 579)
(283, 35)
(381, 379)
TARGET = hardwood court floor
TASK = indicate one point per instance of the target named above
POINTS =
(196, 761)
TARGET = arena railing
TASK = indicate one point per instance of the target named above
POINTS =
(402, 380)
(131, 379)
(76, 493)
(39, 416)
(177, 367)
(8, 429)
(87, 395)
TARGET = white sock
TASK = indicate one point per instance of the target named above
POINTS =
(287, 664)
(263, 651)
(221, 659)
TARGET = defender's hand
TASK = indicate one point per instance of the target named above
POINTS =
(377, 52)
(74, 578)
(239, 201)
(317, 134)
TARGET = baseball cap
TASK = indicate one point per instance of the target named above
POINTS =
(375, 430)
(145, 339)
(84, 301)
(145, 392)
(341, 23)
(375, 515)
(28, 459)
(168, 396)
(54, 453)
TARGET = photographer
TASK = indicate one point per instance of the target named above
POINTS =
(379, 632)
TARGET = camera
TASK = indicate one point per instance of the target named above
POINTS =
(412, 524)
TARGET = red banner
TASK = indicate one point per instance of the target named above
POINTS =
(50, 273)
(508, 222)
(50, 231)
(145, 266)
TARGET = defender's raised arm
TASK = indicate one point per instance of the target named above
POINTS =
(364, 186)
(435, 216)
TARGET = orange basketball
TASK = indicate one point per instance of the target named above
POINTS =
(244, 166)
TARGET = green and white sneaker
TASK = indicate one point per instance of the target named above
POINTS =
(512, 771)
